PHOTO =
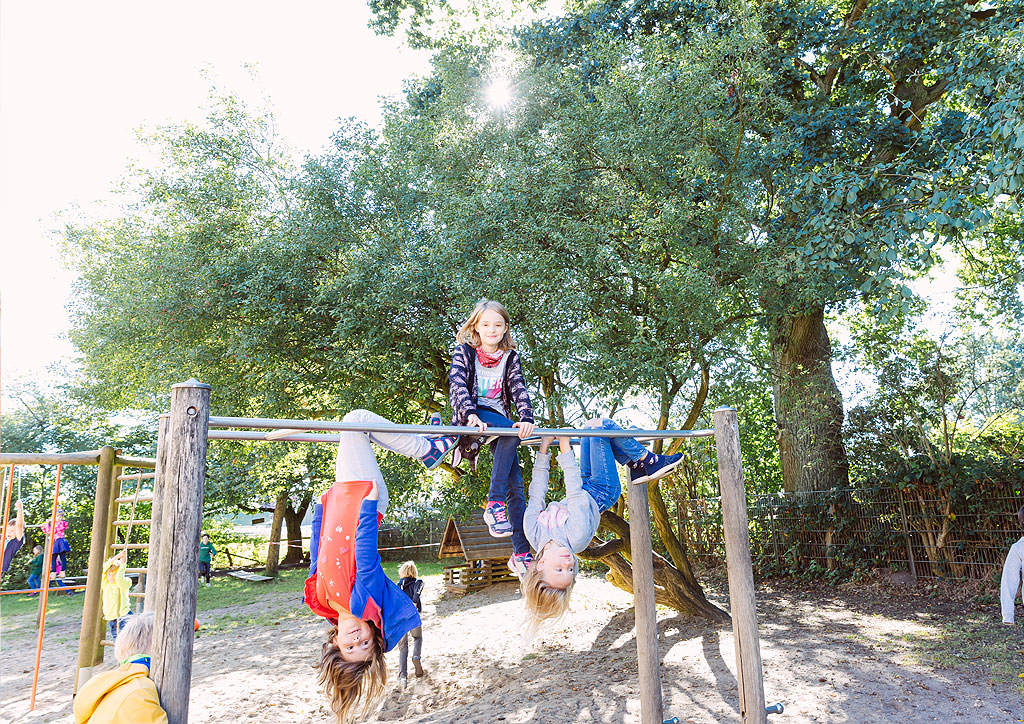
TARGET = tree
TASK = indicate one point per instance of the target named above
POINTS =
(859, 137)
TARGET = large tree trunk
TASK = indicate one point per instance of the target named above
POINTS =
(808, 406)
(293, 524)
(671, 587)
(274, 549)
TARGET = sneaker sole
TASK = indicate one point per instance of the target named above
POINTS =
(662, 472)
(499, 535)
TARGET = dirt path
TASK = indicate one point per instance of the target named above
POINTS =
(829, 657)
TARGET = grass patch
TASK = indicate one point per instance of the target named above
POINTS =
(972, 643)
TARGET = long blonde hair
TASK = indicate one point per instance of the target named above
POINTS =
(543, 601)
(468, 334)
(353, 688)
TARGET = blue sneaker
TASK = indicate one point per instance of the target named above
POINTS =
(496, 518)
(439, 446)
(653, 467)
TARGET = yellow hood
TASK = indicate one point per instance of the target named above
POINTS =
(123, 696)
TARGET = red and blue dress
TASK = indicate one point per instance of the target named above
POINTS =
(345, 567)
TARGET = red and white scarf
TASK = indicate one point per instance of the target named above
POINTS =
(489, 360)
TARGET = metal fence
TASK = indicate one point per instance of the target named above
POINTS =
(412, 539)
(931, 535)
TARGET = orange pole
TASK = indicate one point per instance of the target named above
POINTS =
(7, 505)
(48, 563)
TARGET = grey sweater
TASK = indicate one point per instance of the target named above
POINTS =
(571, 522)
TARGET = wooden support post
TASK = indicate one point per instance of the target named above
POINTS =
(643, 605)
(90, 651)
(152, 584)
(181, 519)
(741, 573)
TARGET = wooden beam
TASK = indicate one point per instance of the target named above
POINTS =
(181, 518)
(741, 572)
(90, 653)
(132, 462)
(152, 583)
(88, 457)
(643, 605)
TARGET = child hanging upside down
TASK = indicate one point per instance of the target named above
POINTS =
(347, 585)
(565, 527)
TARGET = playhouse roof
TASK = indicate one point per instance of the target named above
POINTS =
(471, 539)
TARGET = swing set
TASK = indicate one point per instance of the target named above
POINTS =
(110, 474)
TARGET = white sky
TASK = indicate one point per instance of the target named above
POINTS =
(77, 80)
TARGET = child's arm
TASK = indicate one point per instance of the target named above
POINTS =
(538, 490)
(19, 521)
(1010, 581)
(368, 564)
(517, 390)
(458, 384)
(314, 536)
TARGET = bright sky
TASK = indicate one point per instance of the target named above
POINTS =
(77, 80)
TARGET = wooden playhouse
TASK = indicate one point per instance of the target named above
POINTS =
(486, 557)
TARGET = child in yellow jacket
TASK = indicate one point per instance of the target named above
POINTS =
(114, 588)
(125, 695)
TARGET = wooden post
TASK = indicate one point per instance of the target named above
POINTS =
(153, 555)
(181, 519)
(90, 651)
(741, 573)
(643, 605)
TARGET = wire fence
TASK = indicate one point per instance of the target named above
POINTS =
(931, 535)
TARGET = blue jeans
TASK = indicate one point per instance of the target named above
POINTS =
(507, 477)
(117, 624)
(598, 456)
(35, 581)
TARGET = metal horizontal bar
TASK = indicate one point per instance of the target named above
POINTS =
(342, 426)
(136, 570)
(137, 476)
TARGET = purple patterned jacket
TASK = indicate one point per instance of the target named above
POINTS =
(462, 394)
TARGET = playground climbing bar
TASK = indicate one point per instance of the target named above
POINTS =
(341, 426)
(182, 468)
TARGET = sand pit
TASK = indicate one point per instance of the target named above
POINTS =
(830, 657)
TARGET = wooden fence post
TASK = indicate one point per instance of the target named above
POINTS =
(181, 520)
(643, 605)
(741, 573)
(90, 651)
(153, 554)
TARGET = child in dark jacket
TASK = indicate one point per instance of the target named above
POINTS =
(347, 585)
(413, 588)
(485, 381)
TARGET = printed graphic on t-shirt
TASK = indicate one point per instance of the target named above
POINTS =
(488, 388)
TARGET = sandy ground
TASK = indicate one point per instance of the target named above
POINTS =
(828, 658)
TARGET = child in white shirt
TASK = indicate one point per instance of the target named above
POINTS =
(1012, 568)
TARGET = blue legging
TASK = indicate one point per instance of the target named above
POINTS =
(598, 456)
